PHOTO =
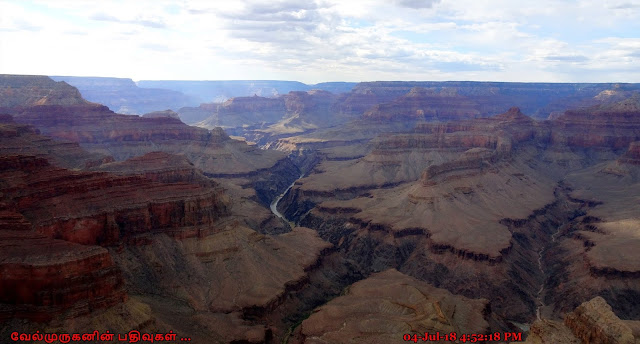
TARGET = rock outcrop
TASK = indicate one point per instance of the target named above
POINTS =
(162, 114)
(21, 139)
(591, 322)
(159, 167)
(80, 207)
(240, 111)
(29, 90)
(632, 156)
(613, 125)
(594, 322)
(388, 306)
(44, 278)
(425, 105)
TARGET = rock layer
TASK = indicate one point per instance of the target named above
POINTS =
(43, 278)
(591, 322)
(388, 305)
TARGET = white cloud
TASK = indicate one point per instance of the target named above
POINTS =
(324, 40)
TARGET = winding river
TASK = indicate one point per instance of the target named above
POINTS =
(274, 204)
(540, 295)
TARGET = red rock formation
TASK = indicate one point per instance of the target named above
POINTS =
(425, 104)
(123, 136)
(238, 111)
(78, 123)
(613, 125)
(99, 208)
(591, 322)
(159, 167)
(594, 322)
(44, 278)
(23, 139)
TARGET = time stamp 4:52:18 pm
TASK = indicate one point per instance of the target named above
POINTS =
(463, 337)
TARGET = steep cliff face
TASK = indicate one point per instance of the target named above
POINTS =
(20, 139)
(435, 201)
(426, 105)
(591, 322)
(594, 322)
(159, 167)
(399, 158)
(632, 156)
(80, 207)
(613, 125)
(79, 123)
(123, 137)
(588, 96)
(537, 99)
(237, 112)
(28, 90)
(44, 278)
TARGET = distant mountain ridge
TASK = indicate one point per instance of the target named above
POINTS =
(221, 90)
(123, 95)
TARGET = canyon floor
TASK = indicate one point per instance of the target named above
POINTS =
(372, 212)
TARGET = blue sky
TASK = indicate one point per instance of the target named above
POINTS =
(325, 40)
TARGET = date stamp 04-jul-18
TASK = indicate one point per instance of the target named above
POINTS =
(455, 337)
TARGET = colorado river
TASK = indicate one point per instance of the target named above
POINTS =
(540, 296)
(274, 204)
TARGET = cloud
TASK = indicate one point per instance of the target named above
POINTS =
(321, 40)
(416, 4)
(155, 23)
(17, 24)
(624, 6)
(567, 58)
(155, 47)
(281, 6)
(465, 66)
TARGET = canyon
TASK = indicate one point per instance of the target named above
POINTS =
(340, 213)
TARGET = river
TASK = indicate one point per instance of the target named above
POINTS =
(274, 204)
(541, 292)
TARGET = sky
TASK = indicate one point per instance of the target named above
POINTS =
(324, 40)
